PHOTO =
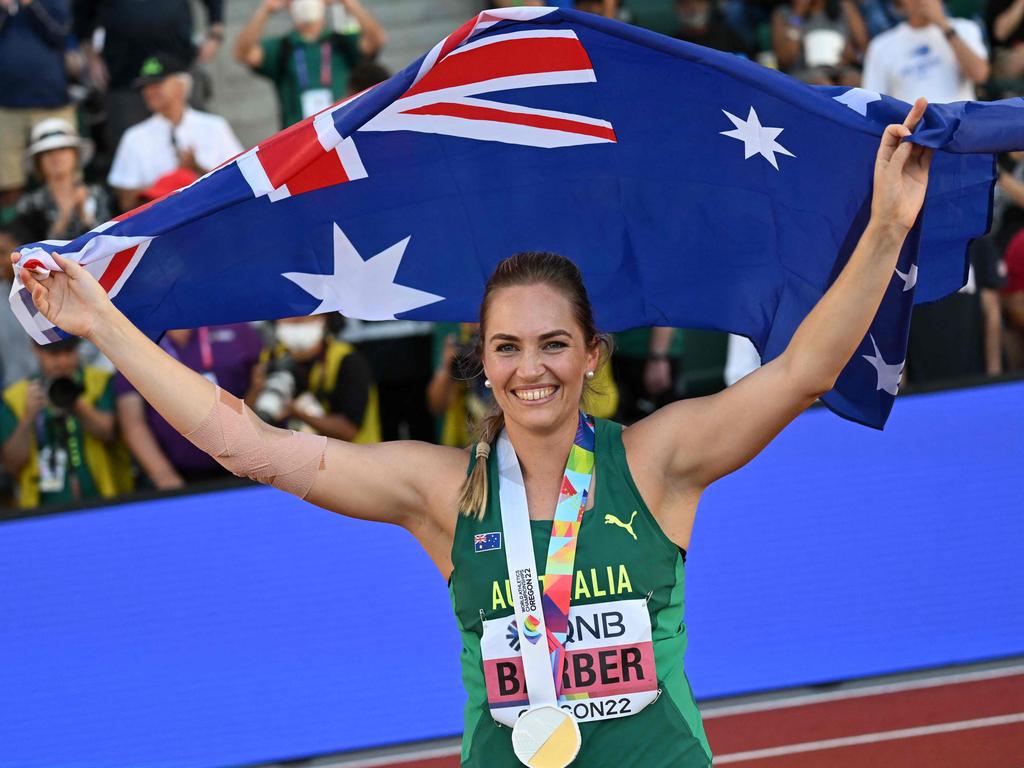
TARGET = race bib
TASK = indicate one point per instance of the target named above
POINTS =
(53, 467)
(315, 100)
(609, 670)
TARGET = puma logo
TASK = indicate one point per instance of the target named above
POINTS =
(613, 520)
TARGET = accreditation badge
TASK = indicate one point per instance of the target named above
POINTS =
(546, 737)
(53, 469)
(315, 101)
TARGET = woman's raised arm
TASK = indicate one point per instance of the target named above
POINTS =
(687, 445)
(410, 484)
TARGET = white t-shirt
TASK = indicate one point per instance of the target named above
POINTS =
(147, 152)
(908, 62)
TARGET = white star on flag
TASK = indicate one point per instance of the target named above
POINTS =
(362, 289)
(757, 140)
(858, 99)
(888, 375)
(909, 277)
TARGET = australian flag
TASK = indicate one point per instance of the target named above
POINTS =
(694, 189)
(484, 542)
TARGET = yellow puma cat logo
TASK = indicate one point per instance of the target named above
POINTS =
(613, 520)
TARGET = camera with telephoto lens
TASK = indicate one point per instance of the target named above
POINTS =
(63, 392)
(272, 402)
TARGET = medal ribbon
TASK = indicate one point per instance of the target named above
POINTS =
(552, 621)
(565, 529)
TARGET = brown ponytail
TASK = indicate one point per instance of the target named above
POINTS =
(529, 268)
(473, 499)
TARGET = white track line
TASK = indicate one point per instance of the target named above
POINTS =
(870, 738)
(403, 757)
(853, 693)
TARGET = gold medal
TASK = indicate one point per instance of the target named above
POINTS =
(546, 737)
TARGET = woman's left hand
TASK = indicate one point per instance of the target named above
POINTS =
(901, 173)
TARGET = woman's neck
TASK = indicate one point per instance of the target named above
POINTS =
(543, 453)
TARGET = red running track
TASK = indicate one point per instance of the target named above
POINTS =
(963, 720)
(970, 720)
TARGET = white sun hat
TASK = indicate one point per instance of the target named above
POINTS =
(56, 133)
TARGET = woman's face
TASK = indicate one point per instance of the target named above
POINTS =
(58, 162)
(535, 356)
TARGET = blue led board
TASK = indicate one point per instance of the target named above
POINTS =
(245, 626)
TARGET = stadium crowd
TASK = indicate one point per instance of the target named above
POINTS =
(103, 108)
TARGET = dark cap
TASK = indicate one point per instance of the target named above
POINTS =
(61, 345)
(157, 67)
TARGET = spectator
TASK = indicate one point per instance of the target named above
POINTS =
(366, 75)
(1008, 201)
(702, 23)
(132, 32)
(606, 8)
(316, 383)
(56, 428)
(820, 41)
(1013, 303)
(309, 66)
(16, 358)
(1006, 27)
(741, 358)
(456, 394)
(174, 136)
(399, 354)
(927, 55)
(33, 84)
(959, 336)
(225, 354)
(63, 207)
(879, 15)
(646, 367)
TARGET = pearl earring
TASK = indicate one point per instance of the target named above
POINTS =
(487, 383)
(590, 374)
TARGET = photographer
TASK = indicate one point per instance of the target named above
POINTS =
(456, 395)
(55, 429)
(227, 356)
(312, 382)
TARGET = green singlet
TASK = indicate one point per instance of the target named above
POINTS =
(622, 557)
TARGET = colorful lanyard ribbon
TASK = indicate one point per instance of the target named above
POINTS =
(552, 621)
(565, 530)
(302, 71)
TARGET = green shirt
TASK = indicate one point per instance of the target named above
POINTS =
(636, 342)
(610, 565)
(281, 64)
(57, 450)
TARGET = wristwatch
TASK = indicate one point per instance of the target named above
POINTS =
(949, 32)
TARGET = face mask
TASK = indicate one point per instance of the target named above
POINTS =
(307, 11)
(301, 337)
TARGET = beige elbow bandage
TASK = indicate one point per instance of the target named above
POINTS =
(230, 433)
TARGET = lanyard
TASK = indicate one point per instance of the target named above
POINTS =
(205, 349)
(545, 616)
(302, 71)
(62, 429)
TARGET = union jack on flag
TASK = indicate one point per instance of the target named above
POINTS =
(693, 188)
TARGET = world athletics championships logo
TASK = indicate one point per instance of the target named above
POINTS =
(531, 628)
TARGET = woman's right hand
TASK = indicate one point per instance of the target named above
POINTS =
(72, 300)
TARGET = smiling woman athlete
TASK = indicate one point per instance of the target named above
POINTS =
(609, 608)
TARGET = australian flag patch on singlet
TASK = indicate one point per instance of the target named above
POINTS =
(484, 542)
